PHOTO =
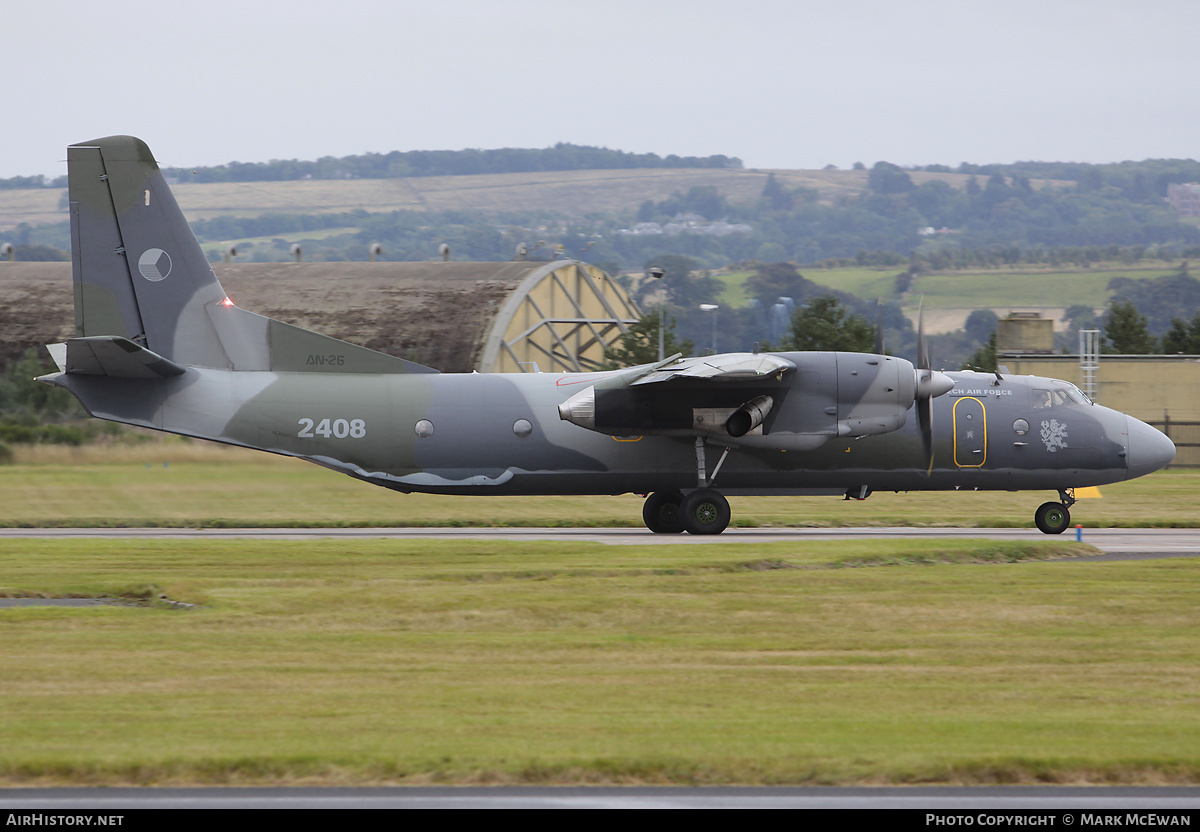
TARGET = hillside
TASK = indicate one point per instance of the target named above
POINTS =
(565, 193)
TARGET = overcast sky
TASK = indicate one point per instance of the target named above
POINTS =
(777, 83)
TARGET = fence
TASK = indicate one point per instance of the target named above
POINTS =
(1186, 436)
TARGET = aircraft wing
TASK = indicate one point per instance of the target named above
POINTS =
(735, 366)
(731, 394)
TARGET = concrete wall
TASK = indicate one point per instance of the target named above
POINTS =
(1161, 390)
(1025, 335)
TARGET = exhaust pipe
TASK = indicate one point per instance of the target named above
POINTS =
(749, 416)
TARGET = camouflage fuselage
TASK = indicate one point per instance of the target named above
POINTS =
(501, 434)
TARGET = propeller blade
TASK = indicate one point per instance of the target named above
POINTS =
(922, 348)
(925, 416)
(929, 384)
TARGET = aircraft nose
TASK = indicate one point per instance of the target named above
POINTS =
(1149, 449)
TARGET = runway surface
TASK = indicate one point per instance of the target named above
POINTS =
(1116, 543)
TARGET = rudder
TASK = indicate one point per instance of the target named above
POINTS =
(140, 274)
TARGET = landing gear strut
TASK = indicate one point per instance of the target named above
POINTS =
(703, 511)
(1054, 518)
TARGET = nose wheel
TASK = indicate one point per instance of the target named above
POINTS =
(1054, 518)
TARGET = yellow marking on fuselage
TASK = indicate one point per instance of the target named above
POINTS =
(954, 418)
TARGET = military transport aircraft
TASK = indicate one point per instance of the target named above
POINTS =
(160, 345)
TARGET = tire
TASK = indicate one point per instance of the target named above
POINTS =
(1052, 518)
(661, 512)
(704, 511)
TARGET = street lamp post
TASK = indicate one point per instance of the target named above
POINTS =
(657, 272)
(712, 307)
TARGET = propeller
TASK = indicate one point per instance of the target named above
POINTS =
(930, 384)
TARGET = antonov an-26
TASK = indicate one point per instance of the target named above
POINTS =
(160, 345)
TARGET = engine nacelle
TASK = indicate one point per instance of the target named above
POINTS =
(819, 396)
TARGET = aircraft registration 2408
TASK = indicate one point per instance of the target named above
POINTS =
(160, 345)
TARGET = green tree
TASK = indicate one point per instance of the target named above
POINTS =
(1182, 338)
(20, 395)
(980, 324)
(770, 253)
(774, 280)
(775, 197)
(1177, 341)
(886, 178)
(1080, 316)
(682, 286)
(706, 201)
(825, 324)
(1127, 330)
(640, 344)
(983, 358)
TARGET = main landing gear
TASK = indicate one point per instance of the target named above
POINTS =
(703, 511)
(1054, 518)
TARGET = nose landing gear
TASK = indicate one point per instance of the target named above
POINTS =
(1054, 518)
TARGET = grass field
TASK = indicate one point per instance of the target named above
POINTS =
(176, 483)
(949, 297)
(1048, 289)
(349, 662)
(384, 661)
(572, 193)
(1000, 288)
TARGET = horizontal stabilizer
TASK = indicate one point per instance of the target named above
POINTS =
(112, 355)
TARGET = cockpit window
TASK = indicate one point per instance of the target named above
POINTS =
(1067, 394)
(1076, 395)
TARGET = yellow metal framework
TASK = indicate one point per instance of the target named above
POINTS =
(560, 319)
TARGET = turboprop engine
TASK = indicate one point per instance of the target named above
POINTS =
(800, 400)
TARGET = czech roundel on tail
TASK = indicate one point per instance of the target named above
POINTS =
(159, 344)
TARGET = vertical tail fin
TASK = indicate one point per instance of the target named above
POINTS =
(141, 275)
(134, 253)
